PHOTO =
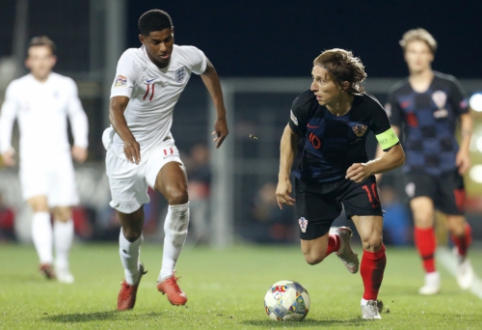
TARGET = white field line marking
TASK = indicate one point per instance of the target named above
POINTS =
(445, 257)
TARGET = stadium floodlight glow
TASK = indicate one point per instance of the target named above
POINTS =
(476, 102)
(476, 173)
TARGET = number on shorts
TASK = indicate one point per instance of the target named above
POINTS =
(372, 195)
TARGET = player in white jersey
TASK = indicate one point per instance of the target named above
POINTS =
(141, 150)
(41, 102)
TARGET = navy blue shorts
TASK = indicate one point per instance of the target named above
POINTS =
(447, 191)
(319, 204)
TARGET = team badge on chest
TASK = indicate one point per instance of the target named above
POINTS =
(359, 129)
(180, 74)
(439, 98)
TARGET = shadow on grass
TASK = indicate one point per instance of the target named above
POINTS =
(355, 322)
(98, 316)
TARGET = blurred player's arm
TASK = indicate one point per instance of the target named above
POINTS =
(210, 79)
(132, 150)
(392, 158)
(288, 148)
(80, 126)
(462, 159)
(7, 118)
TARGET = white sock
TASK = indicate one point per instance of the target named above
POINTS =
(363, 302)
(129, 254)
(63, 237)
(42, 236)
(175, 229)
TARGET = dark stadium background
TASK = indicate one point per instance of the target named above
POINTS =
(243, 39)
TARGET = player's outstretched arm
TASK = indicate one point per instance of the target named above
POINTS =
(393, 158)
(132, 150)
(210, 79)
(289, 144)
(462, 159)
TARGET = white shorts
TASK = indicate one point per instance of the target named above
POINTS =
(54, 178)
(129, 182)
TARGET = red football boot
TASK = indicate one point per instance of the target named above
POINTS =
(127, 294)
(174, 293)
(48, 271)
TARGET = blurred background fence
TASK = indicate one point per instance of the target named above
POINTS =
(231, 188)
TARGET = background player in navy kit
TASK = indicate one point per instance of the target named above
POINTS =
(427, 106)
(329, 125)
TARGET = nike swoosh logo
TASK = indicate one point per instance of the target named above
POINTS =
(149, 81)
(309, 126)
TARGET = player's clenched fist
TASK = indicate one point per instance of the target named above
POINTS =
(283, 192)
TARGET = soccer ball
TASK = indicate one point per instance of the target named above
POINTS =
(287, 300)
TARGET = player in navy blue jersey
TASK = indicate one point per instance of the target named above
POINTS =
(428, 106)
(327, 130)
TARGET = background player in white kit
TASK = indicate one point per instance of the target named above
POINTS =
(41, 101)
(141, 149)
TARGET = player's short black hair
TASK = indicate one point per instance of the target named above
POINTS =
(42, 41)
(154, 20)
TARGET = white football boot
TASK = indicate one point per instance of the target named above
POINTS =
(432, 284)
(371, 310)
(345, 253)
(465, 272)
(64, 276)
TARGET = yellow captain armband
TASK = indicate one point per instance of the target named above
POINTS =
(387, 139)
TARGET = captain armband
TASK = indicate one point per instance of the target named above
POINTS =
(387, 139)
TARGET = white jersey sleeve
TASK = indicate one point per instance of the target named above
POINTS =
(196, 58)
(78, 118)
(127, 74)
(7, 117)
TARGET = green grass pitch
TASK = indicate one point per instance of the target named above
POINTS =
(225, 291)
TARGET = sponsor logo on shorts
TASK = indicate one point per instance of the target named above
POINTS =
(359, 129)
(303, 224)
(120, 81)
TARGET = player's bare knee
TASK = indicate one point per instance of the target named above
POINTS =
(131, 234)
(177, 195)
(373, 243)
(313, 259)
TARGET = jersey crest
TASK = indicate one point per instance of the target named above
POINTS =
(359, 129)
(439, 98)
(180, 74)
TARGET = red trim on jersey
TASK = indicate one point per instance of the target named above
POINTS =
(147, 92)
(172, 151)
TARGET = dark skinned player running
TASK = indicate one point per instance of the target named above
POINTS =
(327, 131)
(141, 151)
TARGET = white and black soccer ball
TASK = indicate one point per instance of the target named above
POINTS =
(287, 300)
